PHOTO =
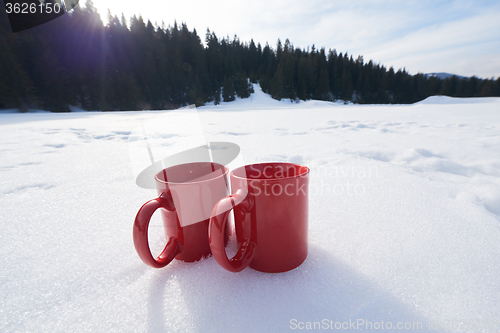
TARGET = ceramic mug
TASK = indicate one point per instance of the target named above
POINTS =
(270, 203)
(187, 194)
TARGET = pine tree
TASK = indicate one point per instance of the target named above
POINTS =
(16, 88)
(324, 84)
(449, 86)
(228, 92)
(139, 65)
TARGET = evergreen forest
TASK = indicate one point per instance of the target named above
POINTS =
(76, 60)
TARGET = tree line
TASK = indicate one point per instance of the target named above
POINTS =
(76, 60)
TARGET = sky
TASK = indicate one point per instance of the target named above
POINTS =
(425, 36)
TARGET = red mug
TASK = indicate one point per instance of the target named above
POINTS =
(270, 203)
(187, 193)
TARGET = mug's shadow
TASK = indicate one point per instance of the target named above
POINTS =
(323, 291)
(159, 286)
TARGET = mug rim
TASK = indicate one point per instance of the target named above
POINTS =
(303, 174)
(226, 171)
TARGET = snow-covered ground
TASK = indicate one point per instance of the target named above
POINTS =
(404, 223)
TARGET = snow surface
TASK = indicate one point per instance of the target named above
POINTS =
(404, 222)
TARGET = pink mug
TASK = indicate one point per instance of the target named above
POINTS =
(270, 203)
(186, 193)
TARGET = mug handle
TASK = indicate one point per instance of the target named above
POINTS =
(141, 225)
(216, 231)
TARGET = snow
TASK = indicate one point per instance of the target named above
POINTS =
(454, 100)
(261, 100)
(403, 228)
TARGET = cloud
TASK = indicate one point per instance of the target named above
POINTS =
(451, 45)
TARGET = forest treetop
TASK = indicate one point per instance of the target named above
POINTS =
(76, 60)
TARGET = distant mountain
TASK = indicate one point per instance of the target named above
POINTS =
(443, 76)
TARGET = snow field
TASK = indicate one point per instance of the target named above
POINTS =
(404, 220)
